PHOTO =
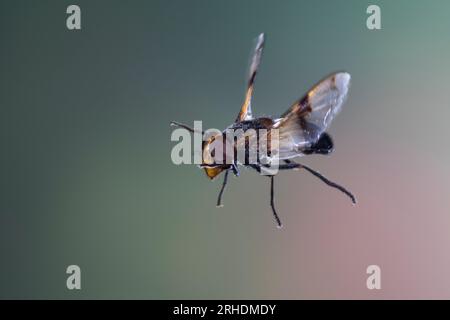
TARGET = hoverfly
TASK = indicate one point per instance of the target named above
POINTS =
(301, 129)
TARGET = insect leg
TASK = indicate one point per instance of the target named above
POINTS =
(277, 219)
(235, 169)
(292, 165)
(256, 167)
(224, 184)
(177, 124)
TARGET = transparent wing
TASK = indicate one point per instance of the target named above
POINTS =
(309, 117)
(246, 110)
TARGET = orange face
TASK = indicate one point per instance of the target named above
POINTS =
(208, 159)
(213, 172)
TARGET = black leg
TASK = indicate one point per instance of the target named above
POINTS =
(235, 169)
(224, 184)
(256, 167)
(277, 219)
(293, 165)
(177, 124)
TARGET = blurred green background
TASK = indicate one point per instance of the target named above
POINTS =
(87, 179)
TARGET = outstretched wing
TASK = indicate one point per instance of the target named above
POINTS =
(246, 109)
(307, 119)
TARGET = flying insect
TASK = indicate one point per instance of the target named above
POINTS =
(301, 130)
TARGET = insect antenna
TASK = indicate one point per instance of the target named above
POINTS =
(177, 124)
